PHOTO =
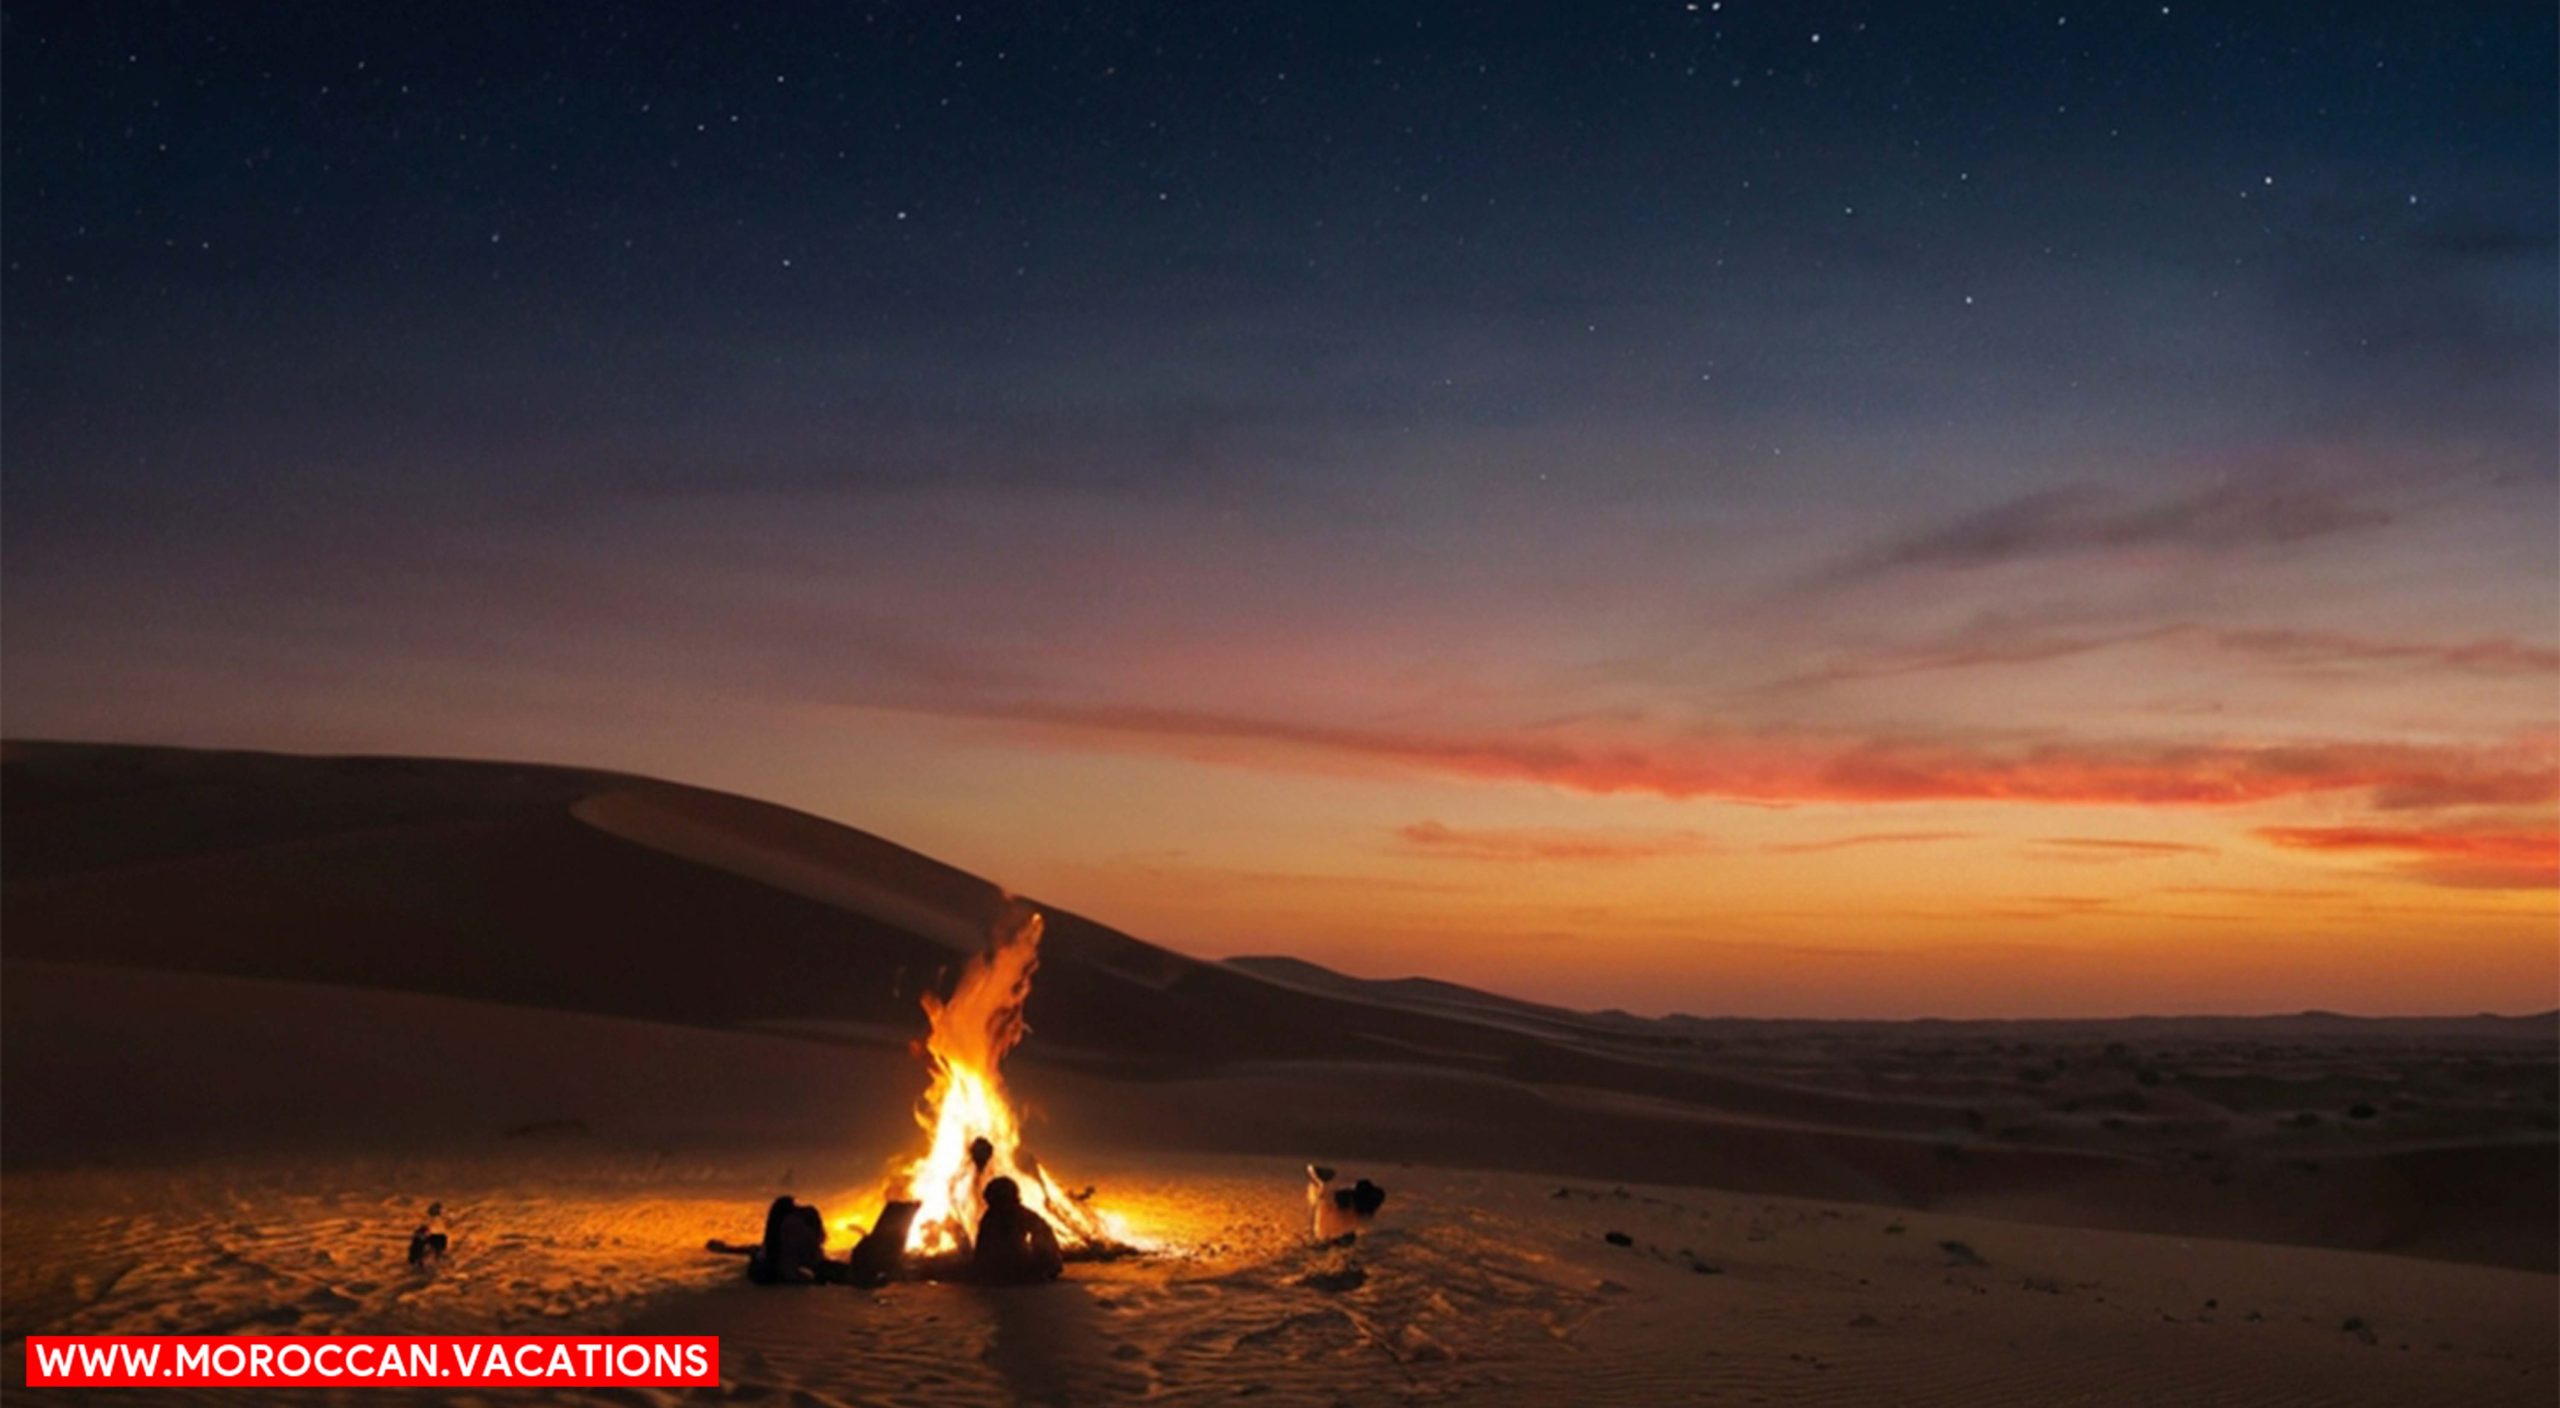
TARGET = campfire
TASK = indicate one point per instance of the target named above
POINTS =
(973, 1131)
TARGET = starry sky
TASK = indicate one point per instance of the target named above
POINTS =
(1819, 509)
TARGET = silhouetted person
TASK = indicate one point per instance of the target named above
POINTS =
(981, 1153)
(429, 1240)
(794, 1248)
(1015, 1245)
(777, 1217)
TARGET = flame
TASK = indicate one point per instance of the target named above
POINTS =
(965, 1101)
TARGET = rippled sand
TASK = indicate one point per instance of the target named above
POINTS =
(1474, 1287)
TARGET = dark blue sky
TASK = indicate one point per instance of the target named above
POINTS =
(474, 245)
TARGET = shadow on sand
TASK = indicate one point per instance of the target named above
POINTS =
(1051, 1345)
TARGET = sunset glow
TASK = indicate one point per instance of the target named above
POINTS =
(2023, 552)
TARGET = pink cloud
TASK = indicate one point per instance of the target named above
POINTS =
(2498, 655)
(2005, 641)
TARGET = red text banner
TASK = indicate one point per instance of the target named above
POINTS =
(387, 1361)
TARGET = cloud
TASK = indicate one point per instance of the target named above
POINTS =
(2496, 655)
(1179, 868)
(2052, 908)
(2254, 892)
(2438, 317)
(1992, 640)
(2239, 513)
(2103, 848)
(1866, 838)
(1538, 845)
(2040, 907)
(1999, 640)
(1787, 768)
(2468, 857)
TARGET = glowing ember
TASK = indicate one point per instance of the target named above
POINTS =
(965, 1102)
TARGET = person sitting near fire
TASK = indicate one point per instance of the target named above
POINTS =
(794, 1249)
(1015, 1245)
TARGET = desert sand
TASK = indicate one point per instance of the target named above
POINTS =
(257, 1010)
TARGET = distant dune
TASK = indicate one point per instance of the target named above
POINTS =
(191, 931)
(1432, 993)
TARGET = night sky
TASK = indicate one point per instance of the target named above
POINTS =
(1740, 507)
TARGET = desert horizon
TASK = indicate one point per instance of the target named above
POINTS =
(1281, 966)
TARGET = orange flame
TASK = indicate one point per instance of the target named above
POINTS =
(965, 1101)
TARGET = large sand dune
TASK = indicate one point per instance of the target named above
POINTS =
(256, 1007)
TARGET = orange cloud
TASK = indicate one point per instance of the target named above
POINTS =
(2057, 907)
(1787, 768)
(1457, 843)
(1864, 838)
(2467, 857)
(2254, 892)
(2108, 848)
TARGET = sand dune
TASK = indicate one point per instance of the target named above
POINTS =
(615, 896)
(256, 1008)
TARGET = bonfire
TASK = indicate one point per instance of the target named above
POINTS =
(973, 1131)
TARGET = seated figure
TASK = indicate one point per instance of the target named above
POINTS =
(1015, 1245)
(794, 1249)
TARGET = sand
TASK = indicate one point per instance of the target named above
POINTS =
(1476, 1287)
(258, 1010)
